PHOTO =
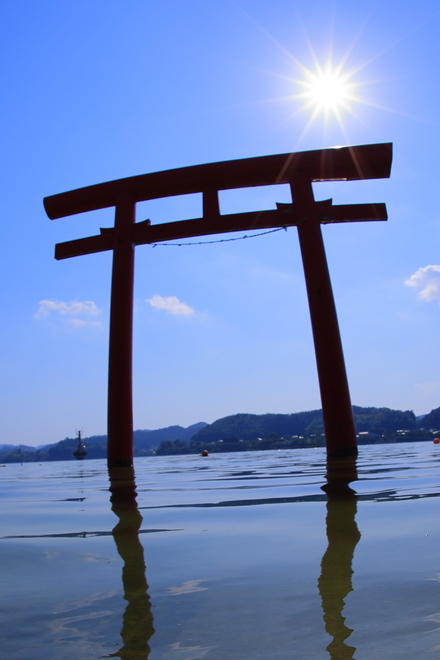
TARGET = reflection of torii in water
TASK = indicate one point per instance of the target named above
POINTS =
(137, 623)
(335, 581)
(298, 170)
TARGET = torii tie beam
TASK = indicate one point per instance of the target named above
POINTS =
(297, 169)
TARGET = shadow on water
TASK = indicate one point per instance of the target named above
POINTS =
(335, 581)
(137, 622)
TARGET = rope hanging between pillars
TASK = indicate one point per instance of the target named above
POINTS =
(221, 240)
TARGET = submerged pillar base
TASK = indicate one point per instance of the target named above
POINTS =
(343, 452)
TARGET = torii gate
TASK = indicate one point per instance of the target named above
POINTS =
(297, 169)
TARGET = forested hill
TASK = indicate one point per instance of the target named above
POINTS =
(432, 420)
(249, 428)
(245, 432)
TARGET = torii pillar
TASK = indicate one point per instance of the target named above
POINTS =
(297, 169)
(340, 432)
(120, 446)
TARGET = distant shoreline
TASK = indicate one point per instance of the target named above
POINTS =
(245, 432)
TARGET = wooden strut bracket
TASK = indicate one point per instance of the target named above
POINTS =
(299, 170)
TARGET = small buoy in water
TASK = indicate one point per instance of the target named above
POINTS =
(205, 452)
(436, 441)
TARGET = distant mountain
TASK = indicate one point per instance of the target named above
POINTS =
(152, 439)
(7, 448)
(145, 442)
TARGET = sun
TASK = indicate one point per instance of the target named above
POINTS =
(328, 90)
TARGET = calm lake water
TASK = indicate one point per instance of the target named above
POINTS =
(234, 556)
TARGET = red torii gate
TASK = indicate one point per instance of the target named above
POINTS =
(297, 169)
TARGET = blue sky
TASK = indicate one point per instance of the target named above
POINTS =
(95, 91)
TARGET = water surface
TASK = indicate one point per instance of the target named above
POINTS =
(232, 556)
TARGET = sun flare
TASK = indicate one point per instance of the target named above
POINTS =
(327, 90)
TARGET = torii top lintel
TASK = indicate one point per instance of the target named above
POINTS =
(336, 164)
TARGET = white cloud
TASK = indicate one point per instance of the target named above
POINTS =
(75, 309)
(170, 304)
(428, 280)
(79, 323)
